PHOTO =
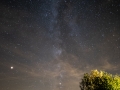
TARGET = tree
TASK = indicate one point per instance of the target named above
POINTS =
(100, 80)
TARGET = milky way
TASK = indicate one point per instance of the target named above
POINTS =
(50, 44)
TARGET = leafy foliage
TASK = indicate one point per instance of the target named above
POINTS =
(100, 80)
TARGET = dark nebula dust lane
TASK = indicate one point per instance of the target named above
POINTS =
(50, 44)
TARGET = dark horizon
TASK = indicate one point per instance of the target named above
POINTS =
(50, 44)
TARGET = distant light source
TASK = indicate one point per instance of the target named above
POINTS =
(11, 67)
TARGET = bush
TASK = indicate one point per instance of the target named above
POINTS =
(100, 80)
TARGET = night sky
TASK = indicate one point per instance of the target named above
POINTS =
(50, 44)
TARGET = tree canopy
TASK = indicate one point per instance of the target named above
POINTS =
(100, 80)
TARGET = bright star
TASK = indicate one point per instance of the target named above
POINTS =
(11, 67)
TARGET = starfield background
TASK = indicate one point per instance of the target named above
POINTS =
(50, 44)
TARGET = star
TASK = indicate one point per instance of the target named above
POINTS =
(11, 67)
(60, 83)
